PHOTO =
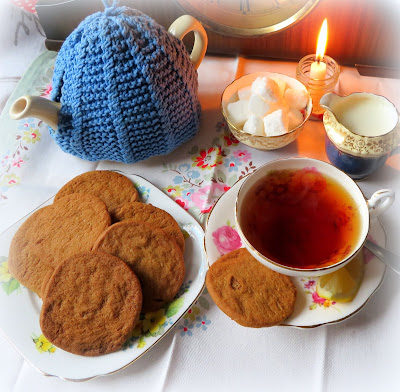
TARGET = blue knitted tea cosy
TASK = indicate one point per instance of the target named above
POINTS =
(128, 89)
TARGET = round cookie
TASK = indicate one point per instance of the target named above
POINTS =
(111, 187)
(154, 257)
(248, 292)
(91, 304)
(54, 233)
(157, 217)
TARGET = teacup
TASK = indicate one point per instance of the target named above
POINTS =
(315, 209)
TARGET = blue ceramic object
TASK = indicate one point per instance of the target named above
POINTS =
(356, 167)
(360, 154)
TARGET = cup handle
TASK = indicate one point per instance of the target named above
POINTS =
(185, 24)
(379, 202)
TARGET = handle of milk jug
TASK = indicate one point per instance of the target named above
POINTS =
(185, 24)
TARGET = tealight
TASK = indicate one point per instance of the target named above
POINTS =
(317, 88)
(318, 68)
(319, 73)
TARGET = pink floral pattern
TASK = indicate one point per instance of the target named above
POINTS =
(183, 203)
(229, 139)
(195, 319)
(12, 161)
(226, 239)
(212, 171)
(243, 155)
(27, 137)
(316, 301)
(44, 90)
(28, 5)
(201, 199)
(207, 159)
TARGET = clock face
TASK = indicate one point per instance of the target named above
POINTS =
(247, 17)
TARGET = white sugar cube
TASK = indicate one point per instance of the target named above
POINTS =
(276, 123)
(244, 92)
(295, 118)
(296, 99)
(254, 125)
(238, 112)
(266, 88)
(259, 106)
(281, 84)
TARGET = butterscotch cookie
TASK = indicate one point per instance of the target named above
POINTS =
(54, 233)
(248, 292)
(91, 304)
(111, 187)
(154, 257)
(157, 217)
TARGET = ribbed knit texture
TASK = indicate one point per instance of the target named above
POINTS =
(127, 88)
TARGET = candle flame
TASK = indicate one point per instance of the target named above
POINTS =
(322, 40)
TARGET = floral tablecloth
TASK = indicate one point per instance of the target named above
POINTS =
(206, 350)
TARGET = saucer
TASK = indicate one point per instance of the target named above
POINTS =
(310, 309)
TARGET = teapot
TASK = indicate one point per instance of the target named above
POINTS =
(362, 131)
(124, 89)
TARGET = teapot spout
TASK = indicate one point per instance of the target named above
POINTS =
(38, 107)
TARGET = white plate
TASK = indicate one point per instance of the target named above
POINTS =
(20, 308)
(310, 310)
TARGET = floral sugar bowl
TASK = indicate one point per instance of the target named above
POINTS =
(362, 131)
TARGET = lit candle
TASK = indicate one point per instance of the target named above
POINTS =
(318, 68)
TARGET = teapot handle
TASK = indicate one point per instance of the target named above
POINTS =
(185, 24)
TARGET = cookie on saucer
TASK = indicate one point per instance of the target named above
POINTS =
(248, 292)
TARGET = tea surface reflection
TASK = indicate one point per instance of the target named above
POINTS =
(300, 218)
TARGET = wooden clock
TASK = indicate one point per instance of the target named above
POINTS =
(360, 31)
(241, 18)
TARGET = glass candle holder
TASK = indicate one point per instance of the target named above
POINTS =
(317, 88)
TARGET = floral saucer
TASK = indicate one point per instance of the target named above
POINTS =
(21, 307)
(310, 309)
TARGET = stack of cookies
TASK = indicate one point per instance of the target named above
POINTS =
(98, 258)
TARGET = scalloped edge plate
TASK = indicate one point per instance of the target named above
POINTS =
(21, 307)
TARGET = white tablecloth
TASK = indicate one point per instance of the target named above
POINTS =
(360, 354)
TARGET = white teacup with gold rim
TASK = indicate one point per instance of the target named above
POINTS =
(304, 217)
